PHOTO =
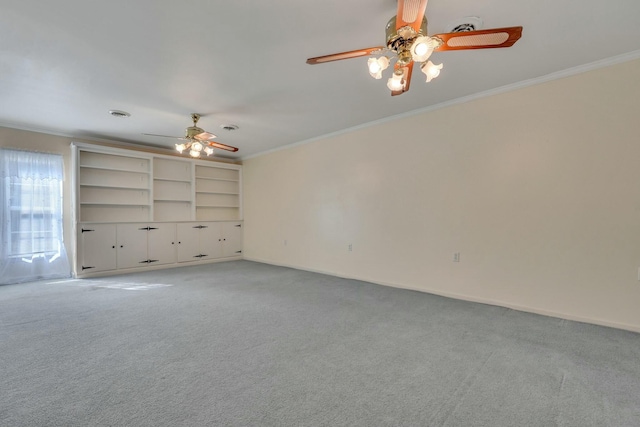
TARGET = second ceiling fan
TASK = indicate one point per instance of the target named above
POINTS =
(408, 42)
(197, 140)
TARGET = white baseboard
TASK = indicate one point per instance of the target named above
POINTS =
(104, 273)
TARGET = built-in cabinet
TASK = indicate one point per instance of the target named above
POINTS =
(141, 244)
(97, 244)
(137, 210)
(209, 240)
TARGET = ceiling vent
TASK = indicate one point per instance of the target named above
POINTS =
(229, 127)
(119, 113)
(469, 23)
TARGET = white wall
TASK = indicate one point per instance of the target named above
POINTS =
(538, 189)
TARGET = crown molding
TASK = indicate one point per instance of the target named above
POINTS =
(608, 62)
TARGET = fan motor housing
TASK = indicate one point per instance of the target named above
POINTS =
(192, 131)
(401, 40)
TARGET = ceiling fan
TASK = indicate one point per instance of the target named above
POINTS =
(197, 140)
(408, 43)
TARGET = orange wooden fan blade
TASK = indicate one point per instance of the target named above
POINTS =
(344, 55)
(482, 39)
(410, 12)
(215, 144)
(204, 136)
(407, 69)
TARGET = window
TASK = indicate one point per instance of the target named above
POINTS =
(31, 214)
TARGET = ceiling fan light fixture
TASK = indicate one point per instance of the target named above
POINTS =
(431, 70)
(396, 82)
(423, 47)
(197, 140)
(377, 66)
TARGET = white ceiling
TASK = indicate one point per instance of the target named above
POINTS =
(65, 63)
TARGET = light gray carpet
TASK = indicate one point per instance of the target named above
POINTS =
(247, 344)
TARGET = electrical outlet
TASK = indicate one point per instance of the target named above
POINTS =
(456, 257)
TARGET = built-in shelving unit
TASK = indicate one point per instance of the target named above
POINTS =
(136, 210)
(172, 189)
(113, 187)
(217, 193)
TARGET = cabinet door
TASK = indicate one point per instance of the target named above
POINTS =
(132, 245)
(211, 240)
(98, 252)
(161, 244)
(188, 241)
(231, 239)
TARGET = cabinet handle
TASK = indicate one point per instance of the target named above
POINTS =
(113, 247)
(224, 240)
(238, 252)
(152, 228)
(85, 230)
(144, 228)
(86, 268)
(238, 225)
(152, 260)
(121, 246)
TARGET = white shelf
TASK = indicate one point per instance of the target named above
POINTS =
(213, 186)
(113, 178)
(217, 173)
(216, 179)
(114, 204)
(155, 178)
(173, 200)
(114, 213)
(113, 187)
(172, 189)
(113, 169)
(217, 192)
(172, 210)
(172, 169)
(116, 162)
(217, 213)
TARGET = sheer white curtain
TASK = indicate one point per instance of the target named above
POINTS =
(31, 216)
